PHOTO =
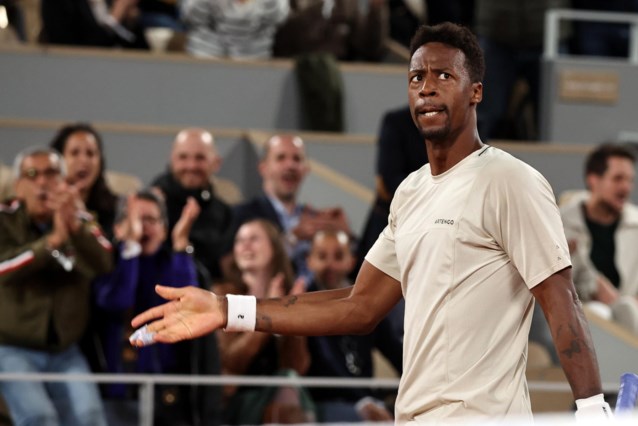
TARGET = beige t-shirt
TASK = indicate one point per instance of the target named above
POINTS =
(467, 245)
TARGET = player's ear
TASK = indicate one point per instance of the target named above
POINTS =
(477, 93)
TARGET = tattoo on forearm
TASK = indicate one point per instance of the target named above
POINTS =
(265, 323)
(290, 301)
(574, 348)
(577, 344)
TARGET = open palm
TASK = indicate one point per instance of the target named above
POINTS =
(189, 313)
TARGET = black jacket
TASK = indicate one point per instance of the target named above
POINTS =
(211, 229)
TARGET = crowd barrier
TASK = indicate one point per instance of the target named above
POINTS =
(146, 382)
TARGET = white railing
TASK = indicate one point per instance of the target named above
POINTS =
(146, 382)
(552, 28)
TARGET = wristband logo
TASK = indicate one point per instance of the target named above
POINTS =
(240, 316)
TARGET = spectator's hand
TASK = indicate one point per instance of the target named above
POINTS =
(190, 312)
(58, 200)
(374, 411)
(71, 205)
(276, 286)
(312, 221)
(130, 229)
(308, 224)
(123, 10)
(182, 228)
(572, 244)
(299, 287)
(335, 219)
(60, 233)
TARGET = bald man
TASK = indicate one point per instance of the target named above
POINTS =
(283, 168)
(193, 160)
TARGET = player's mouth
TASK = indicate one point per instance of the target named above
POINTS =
(430, 111)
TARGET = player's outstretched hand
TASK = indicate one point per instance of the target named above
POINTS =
(189, 313)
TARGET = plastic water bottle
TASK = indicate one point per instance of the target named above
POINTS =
(627, 394)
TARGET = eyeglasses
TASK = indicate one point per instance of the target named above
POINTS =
(151, 220)
(32, 173)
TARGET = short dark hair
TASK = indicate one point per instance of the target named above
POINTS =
(598, 159)
(457, 36)
(147, 194)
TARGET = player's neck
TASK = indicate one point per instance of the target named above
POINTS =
(443, 155)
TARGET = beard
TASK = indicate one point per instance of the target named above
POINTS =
(437, 134)
(611, 208)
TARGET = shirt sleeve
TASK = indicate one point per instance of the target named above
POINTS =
(383, 255)
(526, 223)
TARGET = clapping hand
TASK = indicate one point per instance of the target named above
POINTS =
(182, 228)
(65, 202)
(312, 221)
(130, 229)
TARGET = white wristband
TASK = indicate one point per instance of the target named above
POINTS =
(360, 405)
(242, 313)
(593, 407)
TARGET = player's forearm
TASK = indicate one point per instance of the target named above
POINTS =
(576, 350)
(312, 316)
(324, 295)
(570, 331)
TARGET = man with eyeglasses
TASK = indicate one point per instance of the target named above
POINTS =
(50, 250)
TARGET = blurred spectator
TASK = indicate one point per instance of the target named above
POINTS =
(602, 231)
(405, 17)
(262, 268)
(457, 11)
(144, 260)
(82, 148)
(160, 13)
(340, 27)
(194, 159)
(6, 182)
(400, 151)
(239, 29)
(50, 250)
(602, 38)
(511, 35)
(283, 167)
(330, 261)
(12, 26)
(83, 152)
(91, 23)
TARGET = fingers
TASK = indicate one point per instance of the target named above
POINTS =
(168, 293)
(276, 287)
(148, 316)
(146, 335)
(299, 287)
(192, 207)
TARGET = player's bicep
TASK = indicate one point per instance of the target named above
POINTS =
(375, 292)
